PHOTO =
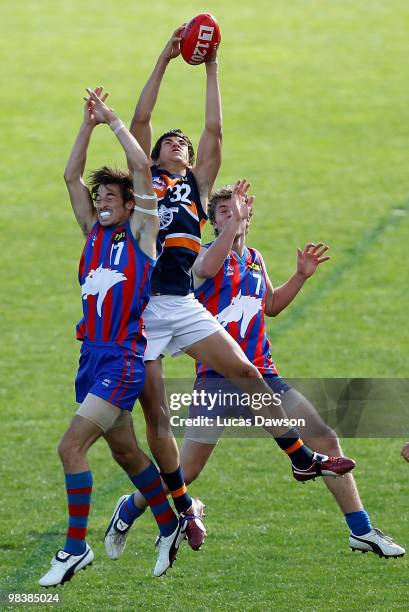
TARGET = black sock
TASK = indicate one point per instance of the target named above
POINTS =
(300, 455)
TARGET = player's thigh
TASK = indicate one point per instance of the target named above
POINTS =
(121, 437)
(88, 424)
(98, 411)
(222, 354)
(193, 458)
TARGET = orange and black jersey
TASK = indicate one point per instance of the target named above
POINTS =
(181, 218)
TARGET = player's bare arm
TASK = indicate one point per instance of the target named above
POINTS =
(209, 152)
(144, 220)
(141, 126)
(237, 210)
(80, 196)
(308, 261)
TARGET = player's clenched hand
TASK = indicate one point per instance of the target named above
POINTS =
(96, 110)
(241, 202)
(309, 259)
(405, 452)
(172, 48)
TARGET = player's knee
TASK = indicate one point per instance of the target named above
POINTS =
(125, 458)
(157, 418)
(66, 448)
(240, 368)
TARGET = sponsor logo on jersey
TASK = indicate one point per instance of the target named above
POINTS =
(119, 236)
(99, 282)
(242, 307)
(254, 266)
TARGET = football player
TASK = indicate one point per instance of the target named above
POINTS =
(230, 276)
(119, 218)
(175, 321)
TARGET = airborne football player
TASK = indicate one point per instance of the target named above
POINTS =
(174, 319)
(120, 221)
(229, 279)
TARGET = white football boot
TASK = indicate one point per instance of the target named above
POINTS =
(167, 548)
(117, 532)
(64, 566)
(377, 542)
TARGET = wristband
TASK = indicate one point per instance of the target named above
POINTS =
(146, 196)
(116, 126)
(147, 211)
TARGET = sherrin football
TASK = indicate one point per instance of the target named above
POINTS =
(199, 39)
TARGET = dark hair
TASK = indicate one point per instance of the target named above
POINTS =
(176, 132)
(111, 176)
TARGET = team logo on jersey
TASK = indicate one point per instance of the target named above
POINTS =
(229, 270)
(242, 307)
(166, 215)
(99, 282)
(157, 181)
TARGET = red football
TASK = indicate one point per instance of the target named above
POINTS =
(199, 39)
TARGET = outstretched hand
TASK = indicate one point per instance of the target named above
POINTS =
(96, 111)
(172, 47)
(310, 258)
(241, 203)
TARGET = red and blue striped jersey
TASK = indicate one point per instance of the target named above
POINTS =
(114, 274)
(181, 218)
(236, 297)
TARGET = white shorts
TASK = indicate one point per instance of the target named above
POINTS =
(175, 322)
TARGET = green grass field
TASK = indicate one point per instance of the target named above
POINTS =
(316, 116)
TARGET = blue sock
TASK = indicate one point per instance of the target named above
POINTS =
(358, 522)
(79, 487)
(149, 484)
(129, 512)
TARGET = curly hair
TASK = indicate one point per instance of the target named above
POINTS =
(111, 176)
(176, 132)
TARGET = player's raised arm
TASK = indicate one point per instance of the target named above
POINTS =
(144, 222)
(209, 152)
(80, 196)
(308, 261)
(141, 126)
(227, 214)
